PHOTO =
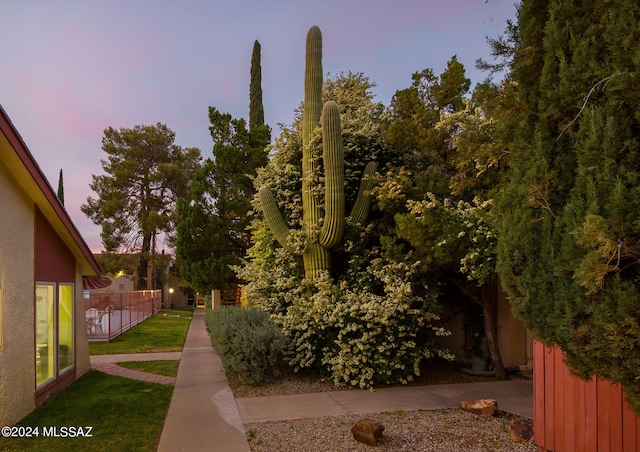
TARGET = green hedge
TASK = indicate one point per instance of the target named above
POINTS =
(248, 342)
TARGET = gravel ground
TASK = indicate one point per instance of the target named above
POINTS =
(431, 373)
(441, 430)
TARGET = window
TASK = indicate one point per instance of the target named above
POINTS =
(65, 327)
(54, 330)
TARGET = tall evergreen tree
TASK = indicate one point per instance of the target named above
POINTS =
(256, 110)
(569, 244)
(212, 233)
(61, 189)
(145, 175)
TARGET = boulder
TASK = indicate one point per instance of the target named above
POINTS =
(521, 431)
(367, 431)
(483, 407)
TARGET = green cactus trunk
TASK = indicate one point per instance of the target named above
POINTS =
(315, 257)
(323, 227)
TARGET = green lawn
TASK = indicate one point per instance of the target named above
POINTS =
(124, 414)
(166, 368)
(163, 332)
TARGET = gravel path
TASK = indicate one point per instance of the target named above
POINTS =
(443, 430)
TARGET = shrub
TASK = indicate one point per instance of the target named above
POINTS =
(248, 342)
(369, 328)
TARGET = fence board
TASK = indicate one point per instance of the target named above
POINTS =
(604, 414)
(579, 429)
(570, 410)
(571, 414)
(549, 399)
(615, 409)
(629, 428)
(560, 403)
(591, 414)
(539, 413)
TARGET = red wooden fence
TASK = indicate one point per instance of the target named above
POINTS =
(574, 415)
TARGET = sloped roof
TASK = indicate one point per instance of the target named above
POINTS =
(15, 155)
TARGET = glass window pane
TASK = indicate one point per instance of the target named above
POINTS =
(65, 326)
(45, 333)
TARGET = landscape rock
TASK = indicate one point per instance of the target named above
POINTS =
(483, 407)
(367, 431)
(521, 431)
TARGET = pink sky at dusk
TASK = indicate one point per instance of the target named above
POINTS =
(73, 68)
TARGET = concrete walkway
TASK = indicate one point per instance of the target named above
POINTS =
(515, 397)
(203, 414)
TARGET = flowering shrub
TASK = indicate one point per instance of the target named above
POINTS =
(370, 321)
(371, 327)
(466, 226)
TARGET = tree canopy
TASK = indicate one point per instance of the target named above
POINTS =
(441, 192)
(362, 322)
(145, 174)
(212, 229)
(570, 238)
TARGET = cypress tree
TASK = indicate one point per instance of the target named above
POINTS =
(569, 244)
(61, 189)
(212, 232)
(256, 109)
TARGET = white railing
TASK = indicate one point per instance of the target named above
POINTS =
(109, 314)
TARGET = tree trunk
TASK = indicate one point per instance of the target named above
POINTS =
(491, 330)
(143, 274)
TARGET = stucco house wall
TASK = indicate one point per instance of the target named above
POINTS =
(38, 244)
(123, 283)
(17, 286)
(513, 339)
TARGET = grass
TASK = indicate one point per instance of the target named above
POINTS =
(124, 414)
(163, 332)
(166, 368)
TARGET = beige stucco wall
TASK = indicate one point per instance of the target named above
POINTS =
(17, 292)
(178, 299)
(83, 365)
(512, 335)
(513, 339)
(121, 283)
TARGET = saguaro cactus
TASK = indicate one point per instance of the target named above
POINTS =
(316, 255)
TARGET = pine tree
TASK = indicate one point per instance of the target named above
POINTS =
(570, 238)
(146, 173)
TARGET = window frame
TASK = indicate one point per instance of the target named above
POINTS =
(58, 371)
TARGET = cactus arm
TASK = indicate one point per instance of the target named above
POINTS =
(333, 157)
(360, 209)
(272, 215)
